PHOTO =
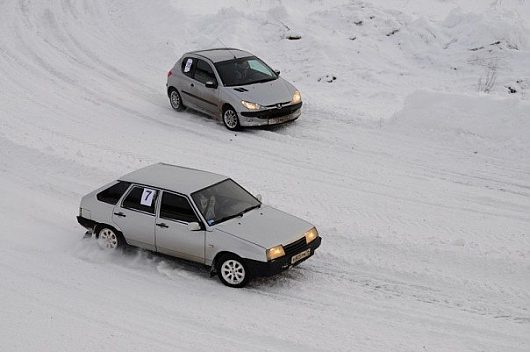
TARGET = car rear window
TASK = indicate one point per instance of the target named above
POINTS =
(113, 194)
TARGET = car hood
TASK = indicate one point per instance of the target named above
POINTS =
(266, 227)
(266, 93)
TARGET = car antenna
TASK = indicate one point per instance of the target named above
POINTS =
(227, 48)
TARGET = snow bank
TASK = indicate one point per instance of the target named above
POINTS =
(502, 124)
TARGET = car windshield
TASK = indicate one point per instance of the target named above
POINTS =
(243, 71)
(223, 201)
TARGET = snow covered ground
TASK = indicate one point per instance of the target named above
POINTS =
(413, 162)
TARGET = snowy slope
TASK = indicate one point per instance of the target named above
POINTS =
(414, 163)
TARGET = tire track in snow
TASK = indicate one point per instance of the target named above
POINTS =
(292, 162)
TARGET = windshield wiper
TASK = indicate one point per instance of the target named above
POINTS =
(226, 218)
(250, 208)
(237, 214)
(237, 84)
(265, 80)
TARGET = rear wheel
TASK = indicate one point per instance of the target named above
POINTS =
(230, 119)
(175, 100)
(232, 271)
(110, 239)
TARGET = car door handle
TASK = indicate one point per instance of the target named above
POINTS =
(120, 214)
(162, 225)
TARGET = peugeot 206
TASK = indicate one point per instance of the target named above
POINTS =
(234, 86)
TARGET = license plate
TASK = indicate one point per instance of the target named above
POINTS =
(300, 256)
(277, 120)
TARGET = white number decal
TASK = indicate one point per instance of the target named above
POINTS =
(188, 65)
(147, 197)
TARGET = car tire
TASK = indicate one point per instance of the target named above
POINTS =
(232, 271)
(109, 239)
(175, 100)
(230, 119)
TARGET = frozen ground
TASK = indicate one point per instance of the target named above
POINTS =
(414, 163)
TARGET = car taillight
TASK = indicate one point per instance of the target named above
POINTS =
(169, 73)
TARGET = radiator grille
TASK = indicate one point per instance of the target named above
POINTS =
(295, 247)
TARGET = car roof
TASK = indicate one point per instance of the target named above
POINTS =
(174, 178)
(221, 54)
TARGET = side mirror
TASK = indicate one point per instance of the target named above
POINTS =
(194, 226)
(277, 72)
(259, 198)
(211, 84)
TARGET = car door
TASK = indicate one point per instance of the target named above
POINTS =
(190, 93)
(135, 216)
(172, 234)
(208, 97)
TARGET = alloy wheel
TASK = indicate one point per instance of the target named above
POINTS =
(230, 119)
(174, 98)
(233, 272)
(108, 239)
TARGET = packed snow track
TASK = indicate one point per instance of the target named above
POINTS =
(412, 158)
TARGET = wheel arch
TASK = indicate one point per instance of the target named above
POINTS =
(226, 106)
(170, 89)
(219, 255)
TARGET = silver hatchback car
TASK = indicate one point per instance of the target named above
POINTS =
(232, 85)
(201, 217)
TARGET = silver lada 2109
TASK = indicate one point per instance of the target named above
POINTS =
(198, 216)
(232, 85)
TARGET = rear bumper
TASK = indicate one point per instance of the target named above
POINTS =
(276, 266)
(86, 223)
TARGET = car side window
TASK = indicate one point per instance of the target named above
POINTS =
(113, 194)
(188, 66)
(204, 72)
(142, 199)
(175, 207)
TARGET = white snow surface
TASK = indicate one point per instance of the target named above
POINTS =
(414, 164)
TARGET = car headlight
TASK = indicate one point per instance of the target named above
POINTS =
(311, 235)
(297, 97)
(250, 106)
(275, 252)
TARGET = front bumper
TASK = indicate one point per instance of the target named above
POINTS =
(276, 266)
(270, 116)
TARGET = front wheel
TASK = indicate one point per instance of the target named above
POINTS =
(232, 271)
(230, 119)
